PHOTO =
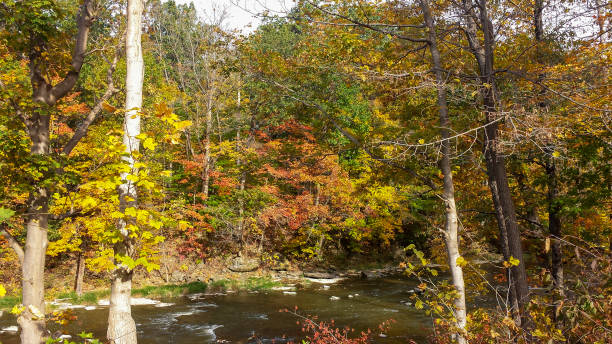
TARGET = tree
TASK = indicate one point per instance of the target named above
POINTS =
(121, 325)
(505, 212)
(451, 227)
(37, 21)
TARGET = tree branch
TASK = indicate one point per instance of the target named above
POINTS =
(81, 130)
(43, 92)
(13, 243)
(374, 27)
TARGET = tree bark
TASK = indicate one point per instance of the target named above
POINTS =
(451, 226)
(80, 271)
(32, 320)
(121, 325)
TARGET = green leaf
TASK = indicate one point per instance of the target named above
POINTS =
(6, 214)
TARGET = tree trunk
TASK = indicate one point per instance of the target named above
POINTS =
(206, 172)
(121, 325)
(80, 271)
(554, 220)
(32, 320)
(496, 169)
(451, 227)
(554, 228)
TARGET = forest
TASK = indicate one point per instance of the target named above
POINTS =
(462, 146)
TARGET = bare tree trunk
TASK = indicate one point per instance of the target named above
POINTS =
(32, 319)
(206, 172)
(451, 227)
(121, 325)
(80, 271)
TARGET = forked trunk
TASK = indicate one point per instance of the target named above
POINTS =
(451, 227)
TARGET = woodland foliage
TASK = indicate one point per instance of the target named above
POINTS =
(316, 139)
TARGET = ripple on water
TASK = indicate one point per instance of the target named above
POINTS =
(258, 316)
(207, 331)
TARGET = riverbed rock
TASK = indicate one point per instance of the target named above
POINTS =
(242, 264)
(12, 329)
(320, 275)
(371, 274)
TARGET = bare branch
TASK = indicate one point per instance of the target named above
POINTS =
(373, 27)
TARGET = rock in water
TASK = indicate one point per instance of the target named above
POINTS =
(10, 329)
(320, 275)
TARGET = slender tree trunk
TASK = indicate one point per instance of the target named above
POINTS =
(496, 167)
(121, 325)
(239, 149)
(207, 162)
(554, 228)
(451, 227)
(80, 271)
(554, 220)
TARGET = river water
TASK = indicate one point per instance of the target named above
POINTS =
(254, 317)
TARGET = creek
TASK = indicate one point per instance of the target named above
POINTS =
(254, 317)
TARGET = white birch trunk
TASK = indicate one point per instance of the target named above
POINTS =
(451, 227)
(121, 325)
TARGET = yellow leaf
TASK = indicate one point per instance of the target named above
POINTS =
(556, 154)
(181, 125)
(421, 141)
(461, 262)
(512, 262)
(106, 106)
(2, 291)
(149, 144)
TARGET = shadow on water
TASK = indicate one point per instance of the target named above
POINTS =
(253, 317)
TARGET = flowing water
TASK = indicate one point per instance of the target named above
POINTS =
(254, 317)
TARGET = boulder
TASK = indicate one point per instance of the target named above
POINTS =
(320, 275)
(178, 276)
(242, 264)
(371, 274)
